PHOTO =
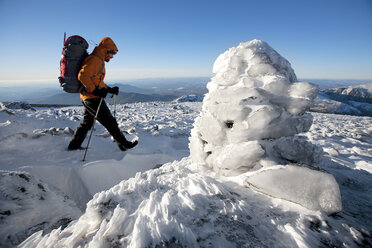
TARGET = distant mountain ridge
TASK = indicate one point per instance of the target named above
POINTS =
(350, 100)
(122, 98)
(190, 98)
(360, 93)
(35, 93)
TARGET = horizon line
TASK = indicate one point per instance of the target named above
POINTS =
(139, 78)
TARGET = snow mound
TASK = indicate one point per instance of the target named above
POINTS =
(28, 205)
(168, 207)
(177, 205)
(251, 120)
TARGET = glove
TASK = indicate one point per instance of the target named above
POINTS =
(101, 92)
(113, 90)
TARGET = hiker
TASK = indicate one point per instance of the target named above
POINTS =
(91, 76)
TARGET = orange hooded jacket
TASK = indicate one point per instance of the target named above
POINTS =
(90, 75)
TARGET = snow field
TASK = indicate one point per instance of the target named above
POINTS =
(37, 141)
(217, 209)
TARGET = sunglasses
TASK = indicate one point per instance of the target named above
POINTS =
(112, 51)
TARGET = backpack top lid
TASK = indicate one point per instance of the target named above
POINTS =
(76, 40)
(75, 47)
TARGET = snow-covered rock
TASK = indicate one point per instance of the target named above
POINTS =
(252, 102)
(190, 98)
(310, 188)
(16, 105)
(28, 205)
(251, 120)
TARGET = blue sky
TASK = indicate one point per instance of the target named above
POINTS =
(328, 39)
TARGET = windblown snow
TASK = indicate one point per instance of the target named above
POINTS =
(261, 171)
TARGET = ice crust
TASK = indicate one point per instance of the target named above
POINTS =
(252, 120)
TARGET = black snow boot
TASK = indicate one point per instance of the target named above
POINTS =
(74, 146)
(127, 145)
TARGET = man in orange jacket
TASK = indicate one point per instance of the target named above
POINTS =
(91, 76)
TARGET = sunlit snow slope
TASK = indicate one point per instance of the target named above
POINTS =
(31, 141)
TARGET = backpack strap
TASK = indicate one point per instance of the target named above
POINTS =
(101, 69)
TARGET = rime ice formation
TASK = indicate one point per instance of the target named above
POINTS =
(28, 204)
(250, 122)
(253, 111)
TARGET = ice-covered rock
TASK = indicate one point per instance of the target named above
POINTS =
(253, 97)
(251, 120)
(310, 188)
(28, 205)
(52, 131)
(16, 105)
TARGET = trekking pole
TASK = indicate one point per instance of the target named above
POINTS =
(91, 132)
(115, 106)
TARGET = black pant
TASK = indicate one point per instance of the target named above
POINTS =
(104, 117)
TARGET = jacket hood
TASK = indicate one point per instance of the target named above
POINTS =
(108, 43)
(100, 51)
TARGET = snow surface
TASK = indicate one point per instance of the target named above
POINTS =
(242, 189)
(220, 210)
